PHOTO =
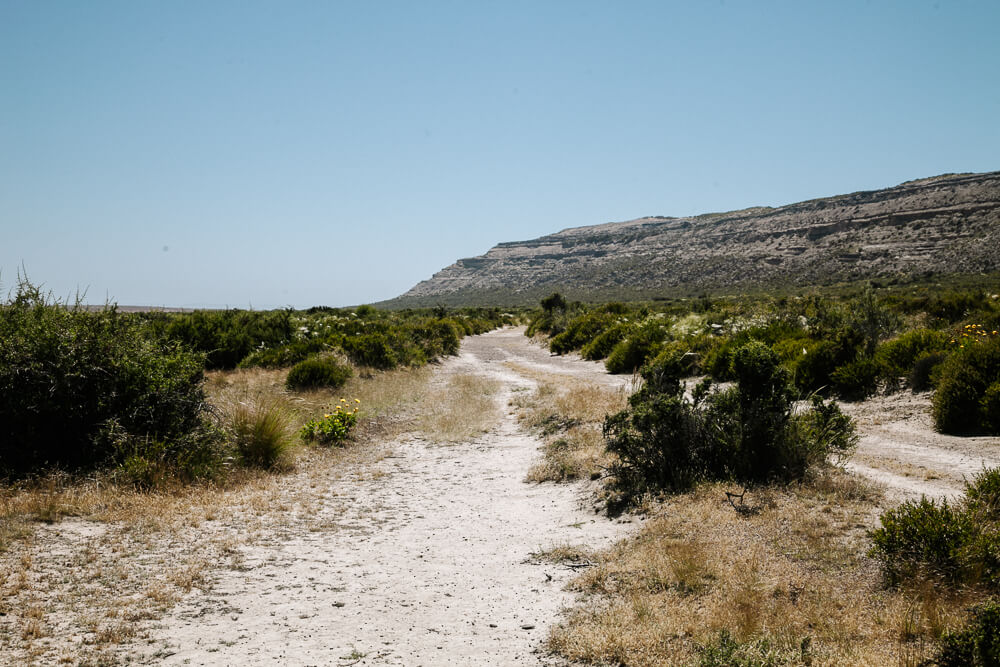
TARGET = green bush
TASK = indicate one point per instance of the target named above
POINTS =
(959, 543)
(581, 331)
(872, 319)
(553, 318)
(227, 336)
(665, 440)
(318, 372)
(856, 380)
(333, 428)
(898, 356)
(79, 388)
(813, 370)
(631, 353)
(922, 537)
(977, 644)
(965, 377)
(989, 408)
(284, 356)
(372, 350)
(436, 338)
(764, 403)
(602, 345)
(924, 370)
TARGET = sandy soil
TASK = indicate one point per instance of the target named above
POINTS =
(431, 561)
(900, 449)
(420, 553)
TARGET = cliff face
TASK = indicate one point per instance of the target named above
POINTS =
(942, 225)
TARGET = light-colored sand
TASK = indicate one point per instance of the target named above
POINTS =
(420, 557)
(431, 562)
(899, 448)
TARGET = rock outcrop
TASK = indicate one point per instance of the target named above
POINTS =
(942, 225)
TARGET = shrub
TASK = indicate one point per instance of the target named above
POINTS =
(227, 336)
(436, 338)
(921, 537)
(372, 350)
(658, 444)
(898, 356)
(959, 543)
(811, 439)
(872, 319)
(718, 363)
(334, 427)
(977, 644)
(147, 461)
(747, 433)
(318, 372)
(631, 353)
(552, 319)
(764, 408)
(580, 331)
(924, 370)
(965, 377)
(259, 432)
(600, 347)
(812, 371)
(856, 380)
(990, 408)
(284, 355)
(81, 389)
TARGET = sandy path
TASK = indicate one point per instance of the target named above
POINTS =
(900, 448)
(429, 562)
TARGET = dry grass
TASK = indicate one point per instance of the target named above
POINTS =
(789, 577)
(570, 414)
(464, 408)
(87, 563)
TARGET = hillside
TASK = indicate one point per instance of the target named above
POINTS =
(936, 226)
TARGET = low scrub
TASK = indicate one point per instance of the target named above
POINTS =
(226, 337)
(334, 427)
(602, 344)
(856, 380)
(975, 645)
(259, 429)
(967, 388)
(82, 389)
(372, 350)
(581, 331)
(958, 543)
(632, 352)
(898, 356)
(748, 433)
(320, 372)
(284, 356)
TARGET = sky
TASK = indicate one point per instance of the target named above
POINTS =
(271, 154)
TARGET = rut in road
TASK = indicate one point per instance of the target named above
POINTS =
(430, 561)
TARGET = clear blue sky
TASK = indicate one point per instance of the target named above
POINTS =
(301, 153)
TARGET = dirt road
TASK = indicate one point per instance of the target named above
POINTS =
(900, 449)
(428, 561)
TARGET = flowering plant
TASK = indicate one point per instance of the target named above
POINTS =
(334, 426)
(972, 333)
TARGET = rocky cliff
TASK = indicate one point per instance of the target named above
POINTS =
(942, 225)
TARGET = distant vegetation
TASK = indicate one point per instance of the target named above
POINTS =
(81, 390)
(847, 346)
(719, 381)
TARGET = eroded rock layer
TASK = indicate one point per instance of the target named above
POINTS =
(941, 225)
